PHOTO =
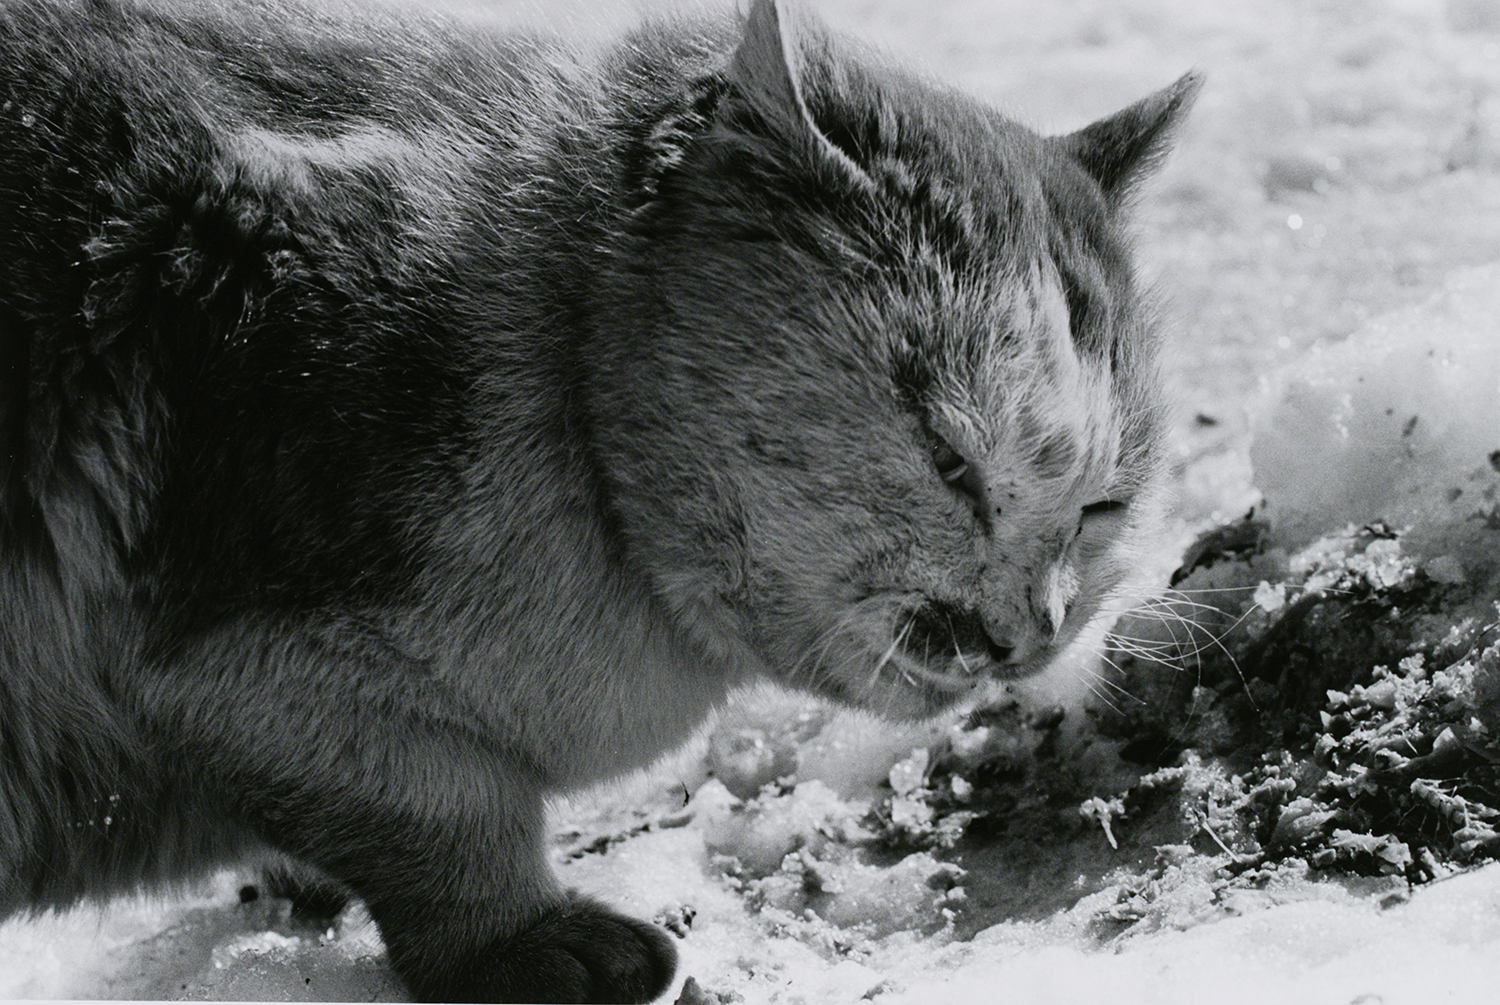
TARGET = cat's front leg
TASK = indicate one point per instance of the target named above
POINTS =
(380, 777)
(469, 909)
(459, 928)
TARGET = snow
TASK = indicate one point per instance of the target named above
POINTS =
(1443, 944)
(1334, 950)
(1400, 422)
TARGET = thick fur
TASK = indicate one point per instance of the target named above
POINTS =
(401, 420)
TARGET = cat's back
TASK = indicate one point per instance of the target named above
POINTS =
(116, 84)
(381, 136)
(238, 241)
(292, 62)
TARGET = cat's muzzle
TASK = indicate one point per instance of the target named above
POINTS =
(941, 632)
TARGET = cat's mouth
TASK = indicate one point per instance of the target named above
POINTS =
(913, 655)
(944, 635)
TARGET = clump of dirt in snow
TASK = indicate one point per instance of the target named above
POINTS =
(1330, 713)
(1344, 713)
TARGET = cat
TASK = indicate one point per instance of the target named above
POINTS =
(405, 420)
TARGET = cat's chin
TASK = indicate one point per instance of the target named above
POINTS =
(915, 703)
(905, 690)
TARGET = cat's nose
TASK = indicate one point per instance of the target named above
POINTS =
(1016, 642)
(999, 640)
(1049, 603)
(998, 650)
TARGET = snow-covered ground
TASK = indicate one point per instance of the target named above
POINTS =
(1332, 213)
(1306, 942)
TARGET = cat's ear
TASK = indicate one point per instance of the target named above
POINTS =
(1121, 150)
(767, 71)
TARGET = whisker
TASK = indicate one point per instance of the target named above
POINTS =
(1096, 683)
(968, 671)
(1151, 648)
(1103, 698)
(1105, 680)
(885, 658)
(1201, 638)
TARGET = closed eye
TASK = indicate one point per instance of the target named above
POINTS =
(955, 470)
(1104, 506)
(1096, 518)
(950, 464)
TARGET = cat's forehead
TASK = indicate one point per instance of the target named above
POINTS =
(1028, 289)
(1005, 276)
(939, 149)
(977, 203)
(1023, 392)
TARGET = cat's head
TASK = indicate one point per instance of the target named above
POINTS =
(885, 410)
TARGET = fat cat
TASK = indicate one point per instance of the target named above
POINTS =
(403, 420)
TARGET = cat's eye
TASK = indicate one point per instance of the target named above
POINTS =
(1094, 514)
(1103, 507)
(950, 464)
(956, 472)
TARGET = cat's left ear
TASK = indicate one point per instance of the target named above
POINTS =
(1123, 149)
(767, 71)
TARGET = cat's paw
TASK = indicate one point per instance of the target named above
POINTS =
(579, 952)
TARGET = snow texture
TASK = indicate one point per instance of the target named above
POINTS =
(1399, 423)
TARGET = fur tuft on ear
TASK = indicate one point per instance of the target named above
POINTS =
(766, 69)
(765, 66)
(1121, 150)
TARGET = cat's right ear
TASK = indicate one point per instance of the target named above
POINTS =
(1123, 149)
(767, 71)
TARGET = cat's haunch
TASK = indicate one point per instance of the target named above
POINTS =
(402, 420)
